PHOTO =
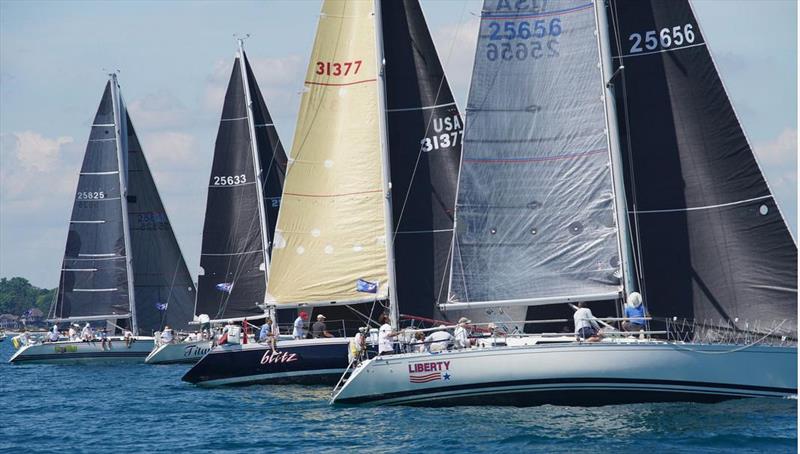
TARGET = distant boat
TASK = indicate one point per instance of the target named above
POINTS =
(122, 267)
(603, 158)
(362, 124)
(244, 195)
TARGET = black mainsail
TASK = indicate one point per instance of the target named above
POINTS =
(425, 132)
(120, 242)
(712, 243)
(94, 275)
(235, 252)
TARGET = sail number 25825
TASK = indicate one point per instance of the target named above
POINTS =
(666, 38)
(344, 68)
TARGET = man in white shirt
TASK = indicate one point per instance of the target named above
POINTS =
(461, 334)
(299, 330)
(438, 340)
(385, 333)
(586, 326)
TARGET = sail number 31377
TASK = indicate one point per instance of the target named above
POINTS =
(666, 38)
(344, 68)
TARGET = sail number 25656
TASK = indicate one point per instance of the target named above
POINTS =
(344, 68)
(666, 38)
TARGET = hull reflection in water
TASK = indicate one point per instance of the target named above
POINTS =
(311, 361)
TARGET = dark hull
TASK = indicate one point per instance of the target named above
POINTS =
(301, 362)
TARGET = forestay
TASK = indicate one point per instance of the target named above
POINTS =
(425, 132)
(330, 239)
(535, 209)
(712, 241)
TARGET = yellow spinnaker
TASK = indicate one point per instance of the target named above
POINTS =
(331, 230)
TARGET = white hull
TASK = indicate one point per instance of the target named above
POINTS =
(77, 351)
(182, 352)
(574, 374)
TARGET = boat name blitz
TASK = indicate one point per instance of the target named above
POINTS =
(429, 367)
(274, 356)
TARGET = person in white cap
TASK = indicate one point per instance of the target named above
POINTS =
(635, 314)
(319, 328)
(437, 341)
(461, 334)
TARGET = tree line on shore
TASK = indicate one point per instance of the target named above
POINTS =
(17, 295)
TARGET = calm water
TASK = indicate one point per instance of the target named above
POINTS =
(140, 408)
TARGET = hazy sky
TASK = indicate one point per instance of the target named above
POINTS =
(175, 58)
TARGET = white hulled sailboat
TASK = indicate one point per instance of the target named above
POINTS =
(123, 269)
(602, 157)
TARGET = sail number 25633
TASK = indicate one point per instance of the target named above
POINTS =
(666, 38)
(229, 180)
(344, 68)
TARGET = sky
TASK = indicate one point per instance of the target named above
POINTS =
(174, 59)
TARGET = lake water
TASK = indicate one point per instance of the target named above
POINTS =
(139, 408)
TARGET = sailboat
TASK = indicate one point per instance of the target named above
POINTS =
(362, 124)
(244, 195)
(603, 159)
(122, 269)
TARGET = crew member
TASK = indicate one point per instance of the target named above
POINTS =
(586, 326)
(461, 334)
(319, 328)
(299, 331)
(635, 314)
(385, 333)
(437, 341)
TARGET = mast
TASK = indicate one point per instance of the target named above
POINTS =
(256, 163)
(123, 188)
(620, 203)
(387, 184)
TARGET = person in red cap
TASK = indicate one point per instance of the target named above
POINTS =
(299, 331)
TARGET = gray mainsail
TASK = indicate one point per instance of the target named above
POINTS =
(94, 275)
(535, 217)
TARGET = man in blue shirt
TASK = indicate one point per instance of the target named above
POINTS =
(635, 314)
